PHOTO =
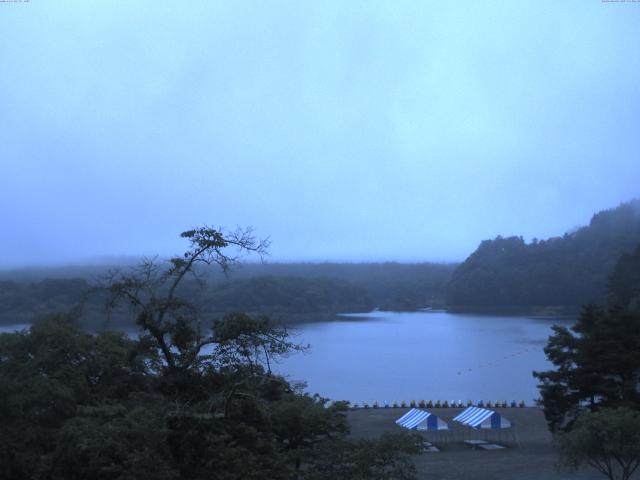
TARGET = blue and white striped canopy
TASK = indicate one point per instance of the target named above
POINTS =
(421, 420)
(477, 417)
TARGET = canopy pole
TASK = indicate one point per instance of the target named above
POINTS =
(515, 435)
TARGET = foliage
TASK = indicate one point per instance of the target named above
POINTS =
(182, 400)
(75, 405)
(388, 458)
(172, 323)
(20, 302)
(597, 364)
(568, 271)
(624, 284)
(287, 292)
(288, 295)
(607, 440)
(591, 398)
(48, 375)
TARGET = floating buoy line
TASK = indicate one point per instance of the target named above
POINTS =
(498, 361)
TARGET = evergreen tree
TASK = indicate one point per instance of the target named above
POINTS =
(597, 364)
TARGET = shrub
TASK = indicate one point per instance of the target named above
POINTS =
(607, 440)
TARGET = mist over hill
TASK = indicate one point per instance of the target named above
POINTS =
(293, 292)
(555, 275)
(506, 274)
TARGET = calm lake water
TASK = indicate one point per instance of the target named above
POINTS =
(390, 356)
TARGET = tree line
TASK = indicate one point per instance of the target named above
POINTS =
(289, 293)
(555, 275)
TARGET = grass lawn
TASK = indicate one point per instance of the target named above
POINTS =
(533, 458)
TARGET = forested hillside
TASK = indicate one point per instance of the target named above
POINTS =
(624, 284)
(21, 302)
(556, 275)
(553, 275)
(391, 285)
(288, 292)
(289, 295)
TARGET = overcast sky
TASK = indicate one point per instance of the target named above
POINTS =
(343, 130)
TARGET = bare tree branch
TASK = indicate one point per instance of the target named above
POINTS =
(150, 289)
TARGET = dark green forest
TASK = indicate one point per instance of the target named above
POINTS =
(288, 292)
(590, 397)
(189, 398)
(624, 284)
(556, 275)
(76, 405)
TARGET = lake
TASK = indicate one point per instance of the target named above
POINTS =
(391, 356)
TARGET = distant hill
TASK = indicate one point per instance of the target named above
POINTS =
(390, 285)
(287, 296)
(21, 302)
(548, 276)
(291, 292)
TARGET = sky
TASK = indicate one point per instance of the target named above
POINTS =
(343, 131)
